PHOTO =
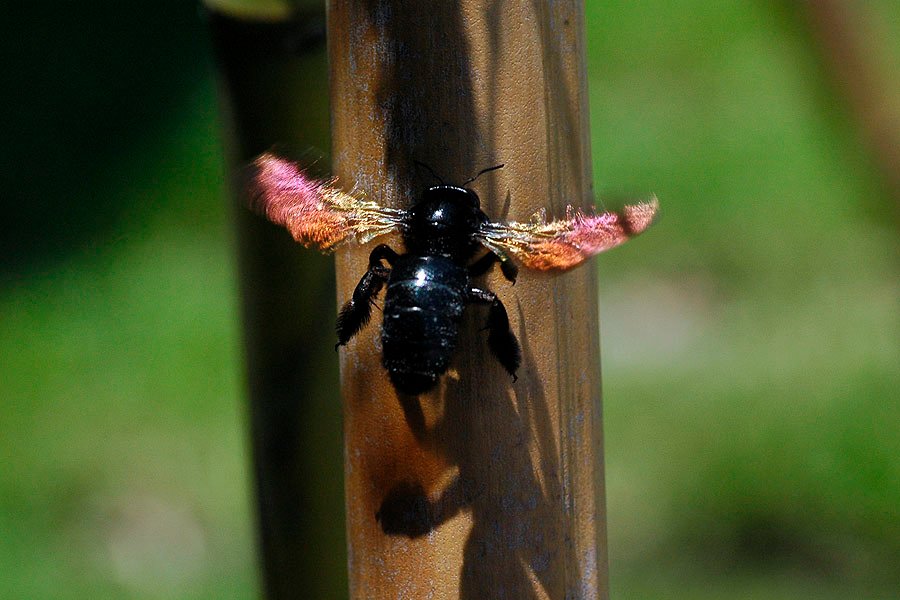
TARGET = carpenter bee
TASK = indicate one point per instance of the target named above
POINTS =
(430, 285)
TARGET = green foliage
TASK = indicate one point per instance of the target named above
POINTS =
(750, 340)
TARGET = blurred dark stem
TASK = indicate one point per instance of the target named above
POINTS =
(846, 48)
(274, 89)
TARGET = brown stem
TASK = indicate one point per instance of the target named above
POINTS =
(273, 82)
(846, 47)
(484, 488)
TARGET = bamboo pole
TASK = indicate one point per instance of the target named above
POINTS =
(274, 90)
(847, 47)
(484, 488)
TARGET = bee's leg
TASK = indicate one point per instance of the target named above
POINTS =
(501, 340)
(356, 313)
(509, 269)
(382, 252)
(483, 264)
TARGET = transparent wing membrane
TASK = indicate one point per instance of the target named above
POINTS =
(566, 243)
(316, 212)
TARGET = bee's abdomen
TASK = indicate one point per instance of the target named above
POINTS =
(424, 301)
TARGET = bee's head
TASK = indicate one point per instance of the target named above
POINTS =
(451, 195)
(443, 221)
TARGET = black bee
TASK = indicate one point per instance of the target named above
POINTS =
(430, 285)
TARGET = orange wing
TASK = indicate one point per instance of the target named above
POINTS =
(316, 212)
(564, 244)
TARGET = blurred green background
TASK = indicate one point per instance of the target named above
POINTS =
(750, 341)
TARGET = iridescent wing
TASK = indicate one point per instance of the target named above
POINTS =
(316, 212)
(566, 243)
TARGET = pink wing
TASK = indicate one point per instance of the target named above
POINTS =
(564, 244)
(316, 212)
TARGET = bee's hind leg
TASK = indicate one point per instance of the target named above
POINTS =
(357, 311)
(501, 340)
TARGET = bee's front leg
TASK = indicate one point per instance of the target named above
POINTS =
(483, 264)
(358, 310)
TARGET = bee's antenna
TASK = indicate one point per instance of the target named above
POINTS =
(482, 172)
(419, 163)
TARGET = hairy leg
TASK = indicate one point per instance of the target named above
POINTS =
(483, 264)
(501, 340)
(358, 310)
